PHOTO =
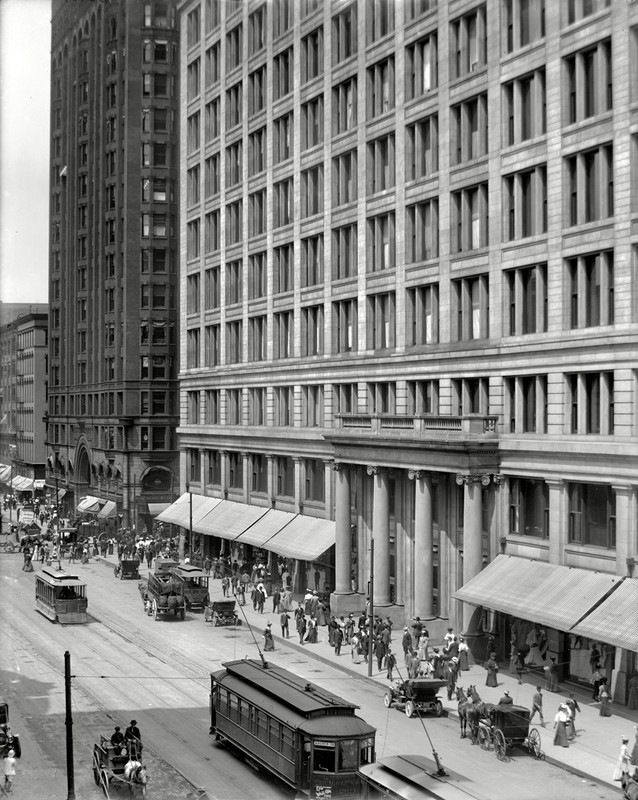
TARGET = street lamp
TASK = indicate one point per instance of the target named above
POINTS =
(371, 606)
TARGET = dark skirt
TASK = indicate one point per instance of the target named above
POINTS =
(605, 709)
(560, 737)
(492, 678)
(463, 662)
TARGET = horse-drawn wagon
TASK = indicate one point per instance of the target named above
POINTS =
(415, 696)
(222, 612)
(195, 585)
(127, 568)
(165, 595)
(8, 740)
(507, 726)
(114, 765)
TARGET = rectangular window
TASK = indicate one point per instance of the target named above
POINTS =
(381, 397)
(234, 222)
(281, 17)
(592, 515)
(312, 331)
(380, 167)
(380, 88)
(257, 210)
(211, 176)
(234, 164)
(213, 409)
(257, 276)
(312, 191)
(192, 294)
(526, 403)
(379, 19)
(344, 251)
(283, 268)
(523, 23)
(282, 138)
(192, 348)
(285, 471)
(283, 74)
(468, 130)
(344, 326)
(422, 318)
(469, 219)
(524, 108)
(234, 281)
(344, 106)
(421, 67)
(381, 321)
(192, 186)
(212, 237)
(235, 470)
(212, 346)
(257, 338)
(312, 55)
(591, 284)
(234, 48)
(234, 406)
(192, 81)
(312, 123)
(257, 91)
(283, 340)
(214, 462)
(283, 200)
(283, 406)
(468, 43)
(526, 203)
(212, 288)
(422, 148)
(590, 185)
(422, 231)
(345, 398)
(470, 305)
(259, 465)
(344, 34)
(344, 178)
(192, 405)
(192, 239)
(529, 508)
(314, 483)
(257, 409)
(212, 68)
(192, 134)
(588, 82)
(234, 342)
(257, 30)
(423, 397)
(212, 121)
(381, 242)
(526, 296)
(234, 105)
(312, 260)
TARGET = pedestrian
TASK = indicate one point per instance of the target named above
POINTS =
(596, 680)
(9, 770)
(551, 676)
(633, 758)
(492, 671)
(284, 619)
(537, 706)
(506, 700)
(624, 764)
(276, 598)
(269, 643)
(317, 579)
(390, 663)
(560, 722)
(464, 650)
(301, 626)
(379, 651)
(406, 642)
(603, 697)
(338, 640)
(225, 585)
(312, 636)
(207, 565)
(572, 705)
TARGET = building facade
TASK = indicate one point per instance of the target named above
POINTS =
(408, 288)
(113, 254)
(23, 401)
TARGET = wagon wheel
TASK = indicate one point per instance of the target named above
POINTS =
(484, 738)
(97, 764)
(104, 782)
(410, 709)
(9, 547)
(534, 742)
(499, 745)
(438, 708)
(387, 699)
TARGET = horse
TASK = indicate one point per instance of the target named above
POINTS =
(468, 712)
(135, 773)
(484, 710)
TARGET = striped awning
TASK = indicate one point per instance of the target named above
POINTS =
(5, 473)
(305, 538)
(615, 620)
(547, 594)
(89, 505)
(22, 484)
(228, 519)
(156, 508)
(179, 512)
(265, 527)
(108, 509)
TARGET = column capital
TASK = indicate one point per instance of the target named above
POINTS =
(417, 474)
(375, 469)
(484, 479)
(339, 466)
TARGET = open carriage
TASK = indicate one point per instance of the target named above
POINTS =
(415, 696)
(112, 766)
(506, 727)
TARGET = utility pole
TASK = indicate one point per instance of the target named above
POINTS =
(70, 776)
(371, 608)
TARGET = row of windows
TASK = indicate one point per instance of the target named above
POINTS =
(589, 288)
(112, 403)
(588, 410)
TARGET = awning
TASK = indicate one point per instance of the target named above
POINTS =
(5, 473)
(265, 527)
(547, 594)
(615, 620)
(156, 508)
(179, 512)
(38, 484)
(22, 484)
(305, 537)
(107, 510)
(228, 519)
(89, 505)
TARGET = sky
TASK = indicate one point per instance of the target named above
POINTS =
(25, 46)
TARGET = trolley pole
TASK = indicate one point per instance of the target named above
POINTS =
(70, 777)
(371, 609)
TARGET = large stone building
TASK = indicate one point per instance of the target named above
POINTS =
(408, 298)
(113, 254)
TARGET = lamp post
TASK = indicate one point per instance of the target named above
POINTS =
(190, 522)
(371, 607)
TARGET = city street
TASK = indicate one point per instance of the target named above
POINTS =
(127, 665)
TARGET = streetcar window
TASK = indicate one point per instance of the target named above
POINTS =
(233, 707)
(287, 747)
(367, 751)
(262, 726)
(274, 733)
(244, 715)
(324, 760)
(348, 754)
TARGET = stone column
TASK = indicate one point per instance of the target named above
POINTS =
(342, 529)
(381, 534)
(422, 543)
(558, 523)
(472, 543)
(625, 528)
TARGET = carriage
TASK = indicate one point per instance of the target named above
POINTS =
(165, 595)
(110, 768)
(195, 585)
(222, 612)
(8, 741)
(506, 727)
(127, 568)
(415, 696)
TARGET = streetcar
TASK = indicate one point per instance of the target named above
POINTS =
(305, 736)
(61, 596)
(412, 777)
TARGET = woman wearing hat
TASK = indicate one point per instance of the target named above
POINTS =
(9, 770)
(560, 726)
(623, 764)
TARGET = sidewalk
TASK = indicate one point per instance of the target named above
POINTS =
(592, 755)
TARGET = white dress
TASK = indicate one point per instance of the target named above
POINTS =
(533, 658)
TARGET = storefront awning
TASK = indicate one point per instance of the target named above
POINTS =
(228, 519)
(5, 473)
(547, 594)
(305, 538)
(156, 508)
(265, 527)
(38, 484)
(179, 512)
(107, 510)
(615, 620)
(89, 505)
(22, 484)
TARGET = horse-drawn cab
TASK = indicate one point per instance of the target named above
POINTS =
(507, 726)
(415, 696)
(8, 740)
(116, 765)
